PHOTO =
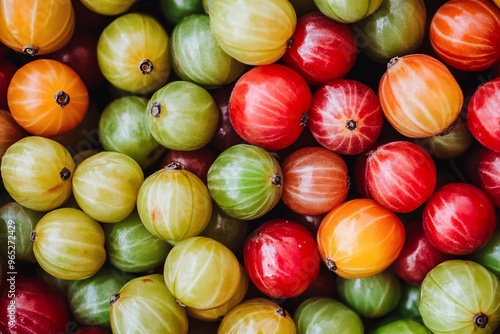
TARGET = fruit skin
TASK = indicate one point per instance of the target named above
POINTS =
(372, 249)
(348, 12)
(37, 172)
(253, 32)
(31, 307)
(465, 34)
(123, 47)
(323, 315)
(245, 181)
(427, 112)
(281, 258)
(400, 176)
(141, 302)
(483, 112)
(47, 98)
(68, 244)
(257, 315)
(202, 273)
(322, 49)
(489, 174)
(480, 297)
(396, 28)
(459, 218)
(36, 27)
(267, 106)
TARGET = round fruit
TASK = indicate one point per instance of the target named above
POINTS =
(68, 244)
(123, 128)
(257, 315)
(108, 7)
(37, 173)
(478, 308)
(130, 247)
(323, 315)
(316, 180)
(377, 242)
(373, 296)
(348, 12)
(145, 305)
(197, 57)
(106, 185)
(409, 105)
(253, 32)
(182, 116)
(174, 204)
(281, 258)
(268, 106)
(36, 27)
(132, 53)
(202, 273)
(466, 34)
(47, 98)
(245, 181)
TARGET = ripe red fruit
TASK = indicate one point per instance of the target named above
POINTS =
(267, 106)
(459, 218)
(322, 49)
(281, 258)
(30, 305)
(418, 255)
(489, 174)
(400, 176)
(483, 115)
(345, 116)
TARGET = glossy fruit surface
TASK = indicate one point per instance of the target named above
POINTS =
(395, 29)
(130, 247)
(489, 174)
(202, 273)
(47, 98)
(174, 10)
(322, 49)
(373, 296)
(253, 32)
(345, 116)
(267, 106)
(89, 298)
(315, 180)
(182, 116)
(245, 181)
(36, 27)
(408, 326)
(123, 128)
(281, 258)
(197, 161)
(418, 255)
(108, 7)
(376, 244)
(106, 185)
(347, 12)
(16, 225)
(174, 204)
(320, 315)
(139, 305)
(37, 172)
(132, 53)
(489, 255)
(478, 310)
(466, 34)
(400, 175)
(197, 57)
(33, 307)
(68, 244)
(257, 315)
(459, 218)
(409, 106)
(482, 111)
